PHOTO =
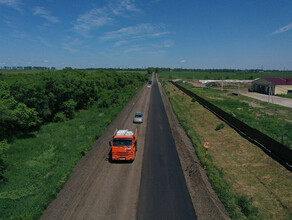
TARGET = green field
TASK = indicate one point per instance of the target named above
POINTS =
(272, 120)
(218, 75)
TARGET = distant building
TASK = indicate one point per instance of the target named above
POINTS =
(277, 86)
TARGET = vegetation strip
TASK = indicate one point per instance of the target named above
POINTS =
(219, 74)
(275, 149)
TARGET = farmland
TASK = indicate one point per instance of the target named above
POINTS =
(221, 74)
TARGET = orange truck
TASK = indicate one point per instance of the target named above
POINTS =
(124, 145)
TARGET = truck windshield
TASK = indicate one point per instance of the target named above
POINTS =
(121, 142)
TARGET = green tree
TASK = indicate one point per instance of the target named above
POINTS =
(69, 108)
(150, 70)
(26, 118)
(3, 147)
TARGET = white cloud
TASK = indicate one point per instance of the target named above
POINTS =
(15, 4)
(122, 7)
(182, 61)
(98, 17)
(165, 44)
(142, 30)
(42, 12)
(120, 43)
(94, 18)
(134, 48)
(45, 42)
(150, 48)
(158, 34)
(283, 29)
(70, 44)
(18, 34)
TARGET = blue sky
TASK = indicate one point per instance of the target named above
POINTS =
(243, 34)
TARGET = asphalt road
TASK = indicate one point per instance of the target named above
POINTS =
(163, 191)
(152, 187)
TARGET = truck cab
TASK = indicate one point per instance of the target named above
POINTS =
(124, 145)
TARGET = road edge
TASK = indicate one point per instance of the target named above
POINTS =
(205, 201)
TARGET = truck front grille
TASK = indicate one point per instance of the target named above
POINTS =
(123, 153)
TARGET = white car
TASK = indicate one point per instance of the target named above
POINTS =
(138, 118)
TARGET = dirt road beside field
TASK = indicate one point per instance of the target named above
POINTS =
(99, 189)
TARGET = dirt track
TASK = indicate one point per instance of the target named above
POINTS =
(265, 98)
(99, 189)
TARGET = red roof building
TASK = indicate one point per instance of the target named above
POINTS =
(274, 86)
(280, 81)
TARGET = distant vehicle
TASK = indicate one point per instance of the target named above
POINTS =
(124, 145)
(138, 118)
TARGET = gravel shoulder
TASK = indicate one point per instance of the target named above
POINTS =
(205, 201)
(97, 188)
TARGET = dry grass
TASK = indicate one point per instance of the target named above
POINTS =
(246, 168)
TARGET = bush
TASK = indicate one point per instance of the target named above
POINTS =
(59, 117)
(212, 84)
(245, 203)
(3, 147)
(69, 108)
(219, 126)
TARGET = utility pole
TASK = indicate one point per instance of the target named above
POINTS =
(222, 84)
(270, 97)
(238, 92)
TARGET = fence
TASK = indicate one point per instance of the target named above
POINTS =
(273, 148)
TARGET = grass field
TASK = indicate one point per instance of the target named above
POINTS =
(40, 164)
(250, 184)
(273, 120)
(286, 96)
(218, 75)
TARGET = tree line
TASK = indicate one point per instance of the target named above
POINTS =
(27, 68)
(29, 100)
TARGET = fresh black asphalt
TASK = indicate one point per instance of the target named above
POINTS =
(163, 191)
